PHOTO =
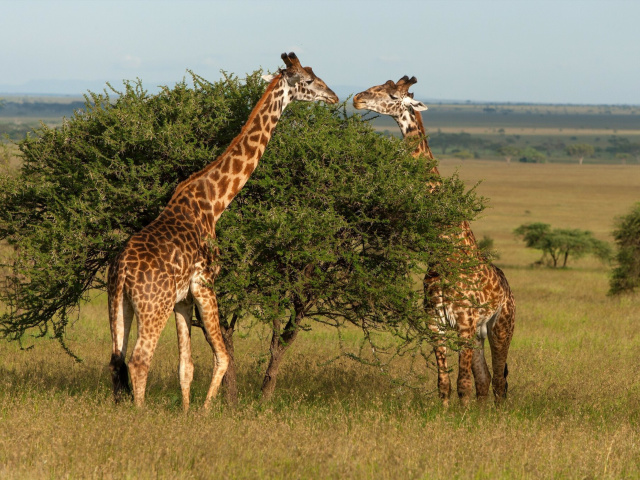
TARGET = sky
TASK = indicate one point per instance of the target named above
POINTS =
(533, 51)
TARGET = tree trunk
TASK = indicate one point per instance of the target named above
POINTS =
(566, 256)
(280, 343)
(580, 160)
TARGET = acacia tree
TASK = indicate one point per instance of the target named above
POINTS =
(330, 227)
(508, 152)
(579, 151)
(625, 276)
(560, 243)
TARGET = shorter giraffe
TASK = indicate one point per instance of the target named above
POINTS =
(168, 265)
(481, 304)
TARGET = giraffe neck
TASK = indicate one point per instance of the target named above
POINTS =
(219, 182)
(410, 123)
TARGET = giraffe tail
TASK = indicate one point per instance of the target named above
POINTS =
(506, 384)
(118, 367)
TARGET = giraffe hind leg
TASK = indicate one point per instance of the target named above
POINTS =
(121, 317)
(150, 325)
(500, 339)
(480, 370)
(119, 377)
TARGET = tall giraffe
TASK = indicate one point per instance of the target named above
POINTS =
(484, 285)
(167, 265)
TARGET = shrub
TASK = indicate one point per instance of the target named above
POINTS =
(625, 276)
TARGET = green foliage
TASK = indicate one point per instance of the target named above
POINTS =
(625, 276)
(560, 243)
(486, 247)
(86, 187)
(508, 151)
(531, 155)
(462, 154)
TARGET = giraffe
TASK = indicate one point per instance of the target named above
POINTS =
(481, 304)
(167, 265)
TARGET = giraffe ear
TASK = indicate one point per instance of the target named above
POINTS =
(415, 104)
(268, 77)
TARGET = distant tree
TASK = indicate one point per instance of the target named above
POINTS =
(462, 154)
(531, 155)
(560, 243)
(579, 151)
(625, 276)
(508, 152)
(623, 157)
(622, 145)
(462, 140)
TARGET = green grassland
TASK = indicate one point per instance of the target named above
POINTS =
(574, 386)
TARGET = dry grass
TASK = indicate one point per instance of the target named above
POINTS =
(573, 409)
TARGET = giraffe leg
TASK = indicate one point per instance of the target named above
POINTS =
(499, 340)
(207, 304)
(444, 383)
(465, 361)
(480, 370)
(183, 312)
(149, 328)
(440, 352)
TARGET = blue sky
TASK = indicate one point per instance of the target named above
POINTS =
(559, 51)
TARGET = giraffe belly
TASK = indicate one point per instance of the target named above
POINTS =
(485, 324)
(182, 291)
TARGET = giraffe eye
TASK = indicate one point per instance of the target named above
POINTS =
(393, 97)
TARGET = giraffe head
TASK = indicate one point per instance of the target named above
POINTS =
(390, 98)
(302, 83)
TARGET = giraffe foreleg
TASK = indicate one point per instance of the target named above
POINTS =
(183, 312)
(205, 299)
(465, 362)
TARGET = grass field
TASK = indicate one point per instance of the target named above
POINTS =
(574, 386)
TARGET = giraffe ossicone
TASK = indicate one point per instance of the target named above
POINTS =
(168, 264)
(481, 305)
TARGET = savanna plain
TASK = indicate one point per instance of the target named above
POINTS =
(573, 409)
